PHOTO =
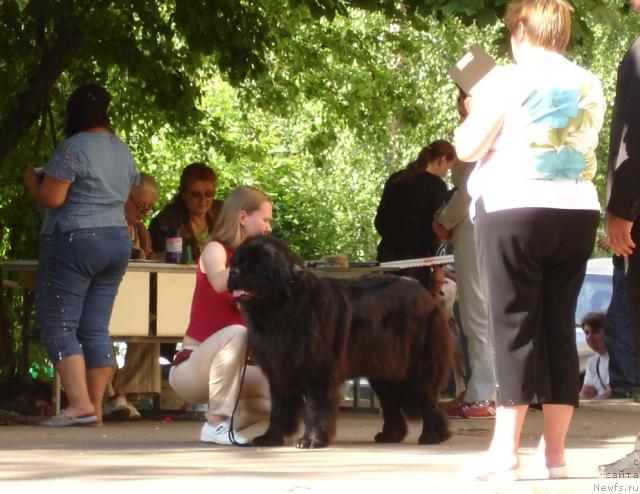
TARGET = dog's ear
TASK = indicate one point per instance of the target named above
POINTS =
(295, 273)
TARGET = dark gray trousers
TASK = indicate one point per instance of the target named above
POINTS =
(533, 262)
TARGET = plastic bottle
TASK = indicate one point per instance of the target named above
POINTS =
(173, 247)
(187, 254)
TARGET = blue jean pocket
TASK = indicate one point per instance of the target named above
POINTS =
(82, 234)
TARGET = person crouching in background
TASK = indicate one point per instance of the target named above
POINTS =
(596, 379)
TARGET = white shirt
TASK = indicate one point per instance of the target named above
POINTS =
(543, 155)
(597, 364)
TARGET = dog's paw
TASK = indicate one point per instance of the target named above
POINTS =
(392, 432)
(385, 437)
(310, 443)
(268, 440)
(434, 437)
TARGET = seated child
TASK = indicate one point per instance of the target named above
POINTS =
(596, 379)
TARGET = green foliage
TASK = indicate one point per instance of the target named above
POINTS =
(22, 4)
(315, 101)
(322, 142)
(37, 366)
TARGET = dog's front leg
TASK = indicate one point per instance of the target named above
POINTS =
(285, 415)
(321, 409)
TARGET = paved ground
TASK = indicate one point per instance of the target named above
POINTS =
(152, 456)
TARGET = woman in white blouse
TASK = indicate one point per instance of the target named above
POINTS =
(533, 128)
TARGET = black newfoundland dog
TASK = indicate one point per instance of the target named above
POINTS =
(309, 334)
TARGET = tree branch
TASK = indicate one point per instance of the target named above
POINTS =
(28, 105)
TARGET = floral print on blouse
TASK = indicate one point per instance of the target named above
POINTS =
(560, 118)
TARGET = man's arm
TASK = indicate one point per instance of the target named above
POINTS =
(587, 392)
(606, 393)
(623, 207)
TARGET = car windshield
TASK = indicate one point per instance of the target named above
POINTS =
(595, 295)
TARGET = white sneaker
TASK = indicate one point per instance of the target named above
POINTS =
(116, 409)
(135, 414)
(195, 407)
(220, 434)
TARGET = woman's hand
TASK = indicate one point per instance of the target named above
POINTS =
(438, 280)
(441, 232)
(468, 104)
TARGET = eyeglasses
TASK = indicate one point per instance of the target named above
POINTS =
(145, 209)
(198, 194)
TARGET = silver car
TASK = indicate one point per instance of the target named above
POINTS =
(594, 296)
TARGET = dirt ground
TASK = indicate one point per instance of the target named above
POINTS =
(157, 456)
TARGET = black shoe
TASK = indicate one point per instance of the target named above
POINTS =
(626, 467)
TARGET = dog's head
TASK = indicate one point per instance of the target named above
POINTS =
(263, 270)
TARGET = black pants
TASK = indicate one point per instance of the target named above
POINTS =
(633, 288)
(532, 262)
(624, 367)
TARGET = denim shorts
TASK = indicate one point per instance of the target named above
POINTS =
(79, 273)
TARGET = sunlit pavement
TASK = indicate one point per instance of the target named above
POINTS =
(154, 456)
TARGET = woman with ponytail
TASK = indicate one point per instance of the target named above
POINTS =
(409, 200)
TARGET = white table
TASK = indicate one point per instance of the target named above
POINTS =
(153, 301)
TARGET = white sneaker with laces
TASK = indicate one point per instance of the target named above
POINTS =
(220, 434)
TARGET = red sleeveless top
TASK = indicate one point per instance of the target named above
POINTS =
(211, 311)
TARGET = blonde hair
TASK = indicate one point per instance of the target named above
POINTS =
(148, 183)
(547, 23)
(227, 229)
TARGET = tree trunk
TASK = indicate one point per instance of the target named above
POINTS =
(28, 106)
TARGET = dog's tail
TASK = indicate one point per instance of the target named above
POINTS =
(433, 361)
(442, 347)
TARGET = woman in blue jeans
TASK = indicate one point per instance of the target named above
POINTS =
(84, 251)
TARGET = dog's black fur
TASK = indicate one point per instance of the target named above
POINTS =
(308, 334)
